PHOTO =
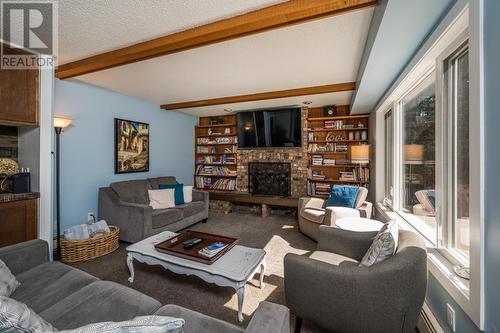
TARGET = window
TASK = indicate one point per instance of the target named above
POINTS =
(389, 170)
(417, 179)
(457, 156)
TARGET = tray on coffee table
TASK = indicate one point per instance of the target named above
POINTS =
(174, 246)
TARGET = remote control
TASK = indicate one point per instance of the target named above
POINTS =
(190, 243)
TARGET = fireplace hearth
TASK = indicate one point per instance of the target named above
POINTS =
(269, 178)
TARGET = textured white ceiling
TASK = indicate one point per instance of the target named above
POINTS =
(310, 54)
(89, 27)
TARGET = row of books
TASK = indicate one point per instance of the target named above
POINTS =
(221, 140)
(213, 150)
(319, 189)
(208, 183)
(339, 124)
(214, 170)
(357, 174)
(329, 147)
(212, 249)
(223, 159)
(315, 174)
(320, 160)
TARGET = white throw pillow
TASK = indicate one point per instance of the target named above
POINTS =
(18, 317)
(188, 193)
(161, 199)
(142, 324)
(384, 245)
(8, 282)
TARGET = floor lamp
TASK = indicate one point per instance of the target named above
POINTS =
(59, 124)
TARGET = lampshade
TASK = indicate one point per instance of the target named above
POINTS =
(61, 122)
(414, 152)
(360, 154)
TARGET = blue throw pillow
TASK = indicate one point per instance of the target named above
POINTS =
(178, 192)
(432, 197)
(342, 196)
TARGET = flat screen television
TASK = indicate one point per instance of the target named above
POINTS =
(269, 128)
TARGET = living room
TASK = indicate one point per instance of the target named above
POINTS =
(249, 166)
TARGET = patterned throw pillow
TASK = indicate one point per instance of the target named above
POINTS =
(161, 199)
(142, 324)
(18, 317)
(384, 245)
(188, 193)
(8, 282)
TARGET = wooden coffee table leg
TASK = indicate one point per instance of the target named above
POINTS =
(262, 272)
(241, 294)
(130, 264)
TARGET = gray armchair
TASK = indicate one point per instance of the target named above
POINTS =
(126, 204)
(332, 290)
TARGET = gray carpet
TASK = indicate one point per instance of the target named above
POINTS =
(278, 235)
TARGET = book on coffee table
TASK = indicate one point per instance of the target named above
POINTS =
(212, 249)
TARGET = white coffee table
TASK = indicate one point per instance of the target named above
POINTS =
(359, 224)
(234, 269)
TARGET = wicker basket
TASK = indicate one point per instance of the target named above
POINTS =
(86, 249)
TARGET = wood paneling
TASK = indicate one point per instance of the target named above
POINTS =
(277, 16)
(330, 88)
(18, 221)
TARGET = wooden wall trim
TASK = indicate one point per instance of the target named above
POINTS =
(330, 88)
(273, 17)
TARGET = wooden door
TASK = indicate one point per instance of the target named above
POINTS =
(18, 221)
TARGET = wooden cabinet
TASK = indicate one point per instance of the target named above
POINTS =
(19, 90)
(18, 221)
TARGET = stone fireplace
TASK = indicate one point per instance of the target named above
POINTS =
(269, 178)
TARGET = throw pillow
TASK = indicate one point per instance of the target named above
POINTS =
(8, 282)
(161, 199)
(18, 317)
(342, 196)
(188, 194)
(384, 245)
(142, 324)
(179, 193)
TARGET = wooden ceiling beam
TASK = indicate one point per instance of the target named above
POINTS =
(273, 17)
(330, 88)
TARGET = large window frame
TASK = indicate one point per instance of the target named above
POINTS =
(441, 259)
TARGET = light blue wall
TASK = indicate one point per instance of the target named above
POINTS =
(87, 160)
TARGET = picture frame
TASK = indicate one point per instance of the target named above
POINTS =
(131, 146)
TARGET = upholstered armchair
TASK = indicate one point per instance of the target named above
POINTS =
(330, 289)
(313, 213)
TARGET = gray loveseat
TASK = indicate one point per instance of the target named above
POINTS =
(69, 298)
(126, 204)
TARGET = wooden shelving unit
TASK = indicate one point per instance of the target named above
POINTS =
(216, 144)
(347, 131)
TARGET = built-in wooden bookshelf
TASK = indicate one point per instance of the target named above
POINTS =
(216, 144)
(329, 142)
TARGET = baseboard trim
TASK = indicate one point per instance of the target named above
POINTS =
(427, 322)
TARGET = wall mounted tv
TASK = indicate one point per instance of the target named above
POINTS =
(269, 128)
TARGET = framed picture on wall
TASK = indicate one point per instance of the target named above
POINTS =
(131, 146)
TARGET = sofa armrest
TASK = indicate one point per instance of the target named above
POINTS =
(348, 243)
(270, 318)
(366, 209)
(24, 256)
(200, 195)
(308, 202)
(333, 213)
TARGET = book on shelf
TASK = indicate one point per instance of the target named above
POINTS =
(329, 161)
(214, 170)
(316, 160)
(346, 175)
(221, 140)
(208, 183)
(223, 159)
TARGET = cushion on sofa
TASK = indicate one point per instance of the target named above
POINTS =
(333, 258)
(315, 215)
(342, 196)
(384, 245)
(361, 197)
(178, 192)
(192, 208)
(161, 199)
(155, 182)
(18, 317)
(197, 322)
(135, 191)
(164, 217)
(142, 324)
(46, 284)
(8, 282)
(100, 301)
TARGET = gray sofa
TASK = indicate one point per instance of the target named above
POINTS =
(69, 298)
(126, 204)
(331, 289)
